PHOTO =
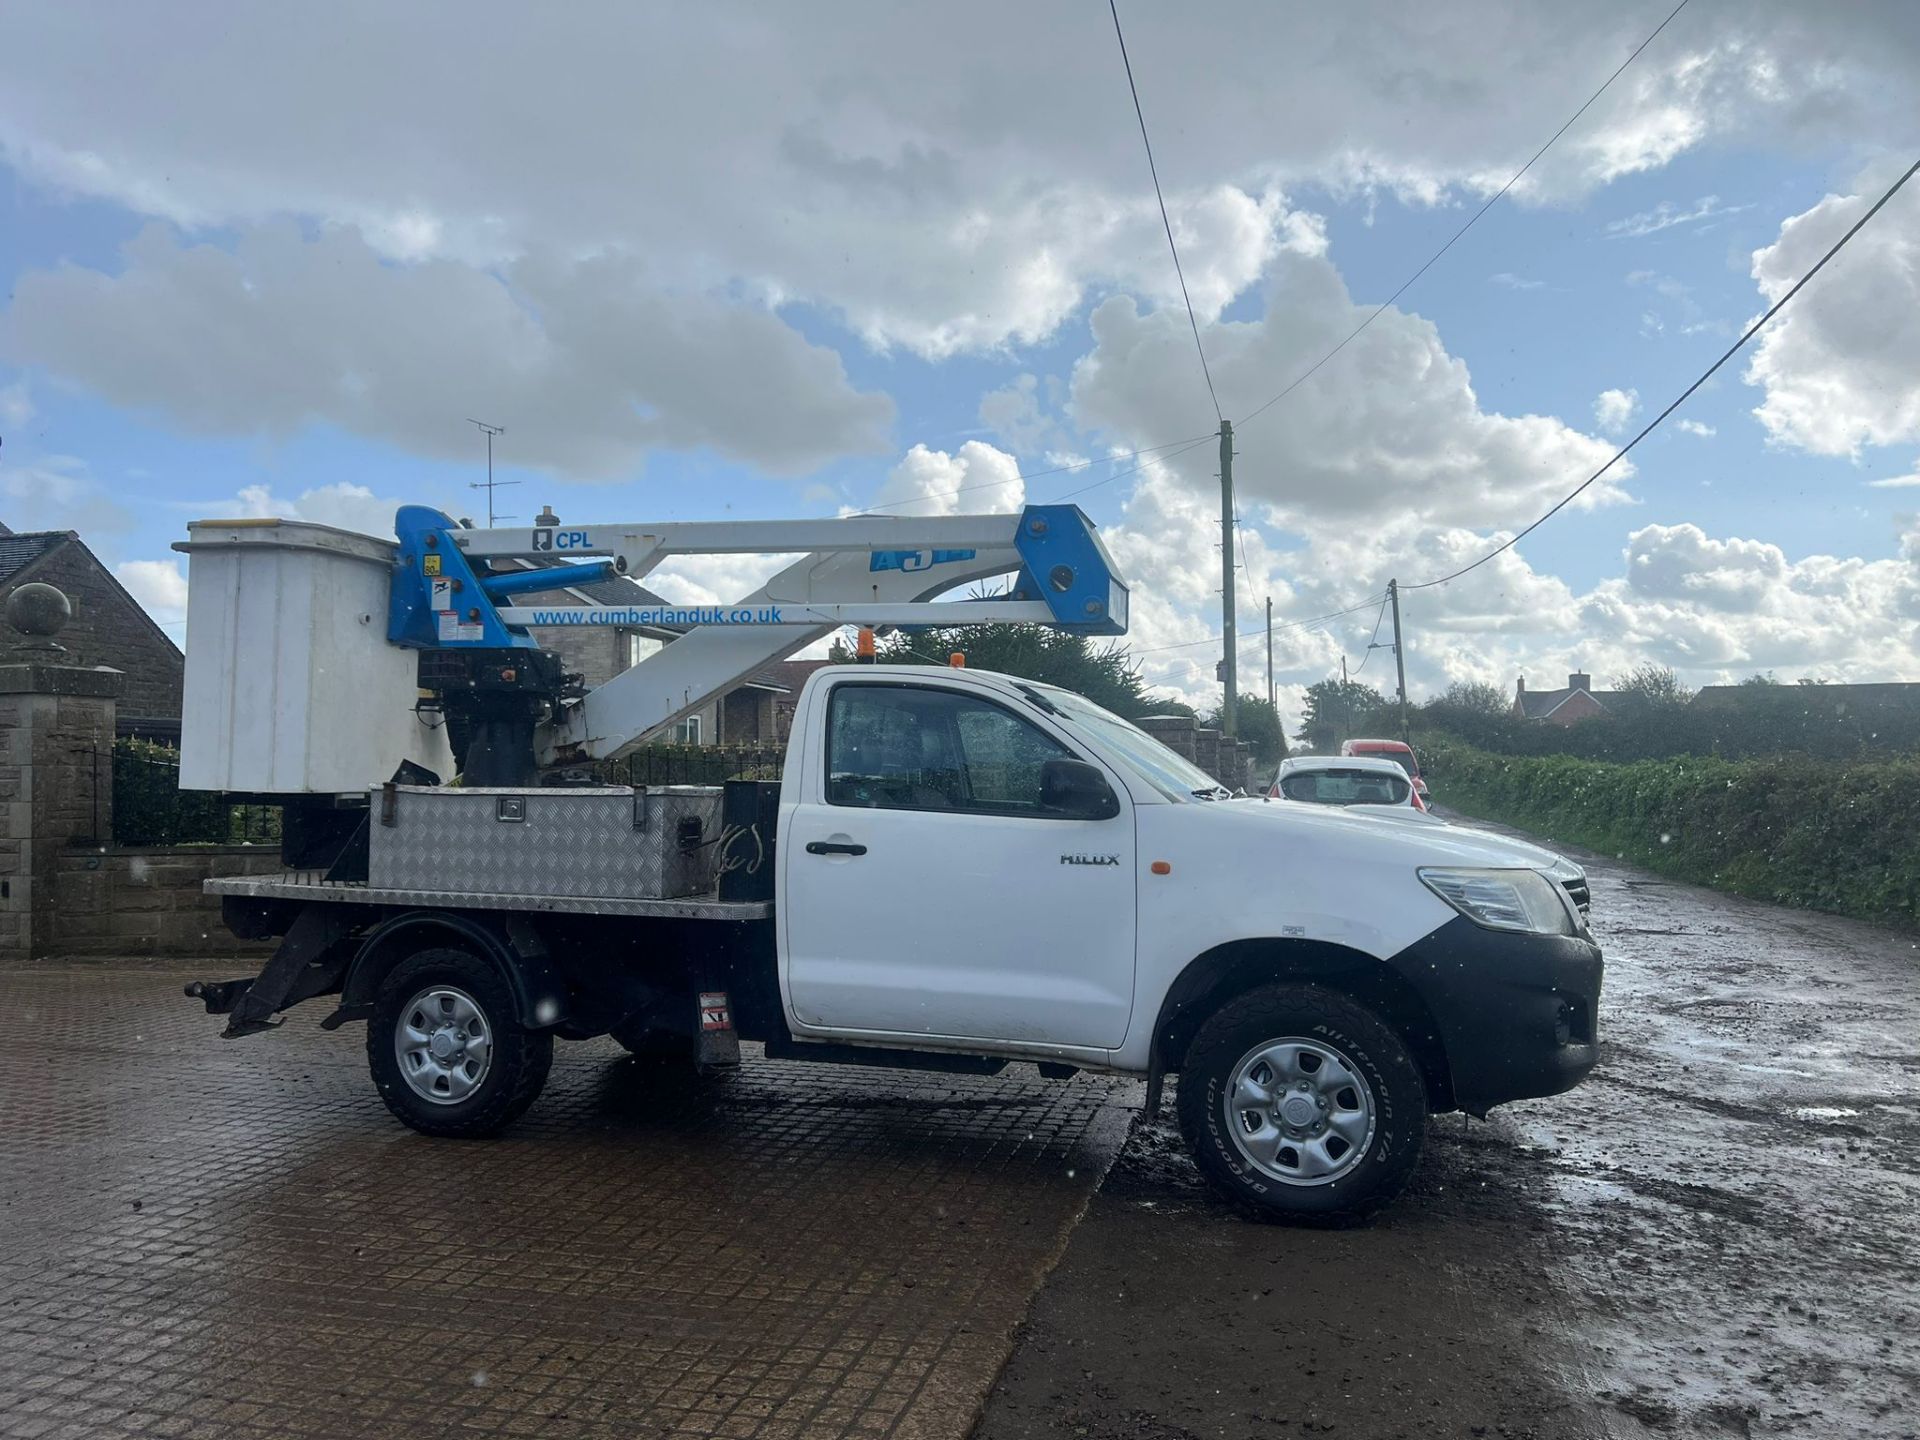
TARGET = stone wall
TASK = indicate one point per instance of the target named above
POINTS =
(148, 901)
(1228, 760)
(65, 890)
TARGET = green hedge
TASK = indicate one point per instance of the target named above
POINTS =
(1798, 831)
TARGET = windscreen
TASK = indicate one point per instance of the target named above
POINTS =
(1178, 778)
(1346, 787)
(1403, 758)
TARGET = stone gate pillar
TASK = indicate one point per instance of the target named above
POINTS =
(56, 766)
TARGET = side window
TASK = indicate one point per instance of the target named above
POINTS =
(907, 748)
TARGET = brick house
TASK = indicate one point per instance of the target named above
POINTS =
(109, 627)
(744, 715)
(789, 675)
(1568, 706)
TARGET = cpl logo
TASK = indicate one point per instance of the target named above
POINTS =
(560, 540)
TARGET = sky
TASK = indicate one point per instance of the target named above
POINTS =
(736, 261)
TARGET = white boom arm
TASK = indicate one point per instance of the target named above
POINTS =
(864, 570)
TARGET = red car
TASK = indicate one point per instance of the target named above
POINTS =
(1400, 753)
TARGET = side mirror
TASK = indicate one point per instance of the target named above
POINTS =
(1077, 790)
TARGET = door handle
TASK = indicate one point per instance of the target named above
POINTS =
(834, 847)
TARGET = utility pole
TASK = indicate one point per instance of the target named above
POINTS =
(1270, 705)
(490, 484)
(1399, 660)
(1229, 671)
(1346, 703)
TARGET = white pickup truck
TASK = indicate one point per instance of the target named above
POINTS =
(973, 869)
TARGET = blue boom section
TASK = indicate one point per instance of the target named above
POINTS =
(438, 602)
(1066, 565)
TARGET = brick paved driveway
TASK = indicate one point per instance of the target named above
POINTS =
(212, 1238)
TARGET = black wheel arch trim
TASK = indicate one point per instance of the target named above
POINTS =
(1217, 975)
(513, 946)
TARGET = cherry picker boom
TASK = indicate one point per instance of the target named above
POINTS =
(510, 703)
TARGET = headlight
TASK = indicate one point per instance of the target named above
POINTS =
(1503, 899)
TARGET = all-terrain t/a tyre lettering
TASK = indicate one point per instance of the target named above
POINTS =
(1301, 1105)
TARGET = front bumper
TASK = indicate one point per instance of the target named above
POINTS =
(1518, 1014)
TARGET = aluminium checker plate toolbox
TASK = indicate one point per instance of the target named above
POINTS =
(602, 842)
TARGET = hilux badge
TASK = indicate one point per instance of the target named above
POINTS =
(1089, 859)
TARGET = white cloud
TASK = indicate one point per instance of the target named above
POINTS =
(1714, 609)
(1391, 429)
(56, 492)
(1612, 409)
(1393, 433)
(714, 579)
(1838, 363)
(159, 585)
(975, 479)
(1896, 482)
(1717, 609)
(1697, 427)
(1666, 215)
(1014, 414)
(906, 169)
(16, 407)
(1516, 282)
(343, 505)
(587, 364)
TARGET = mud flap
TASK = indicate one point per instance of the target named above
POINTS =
(716, 1044)
(1156, 1082)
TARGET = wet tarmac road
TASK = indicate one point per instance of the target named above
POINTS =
(232, 1238)
(1718, 1235)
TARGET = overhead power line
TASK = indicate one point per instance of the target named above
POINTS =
(1649, 428)
(1706, 375)
(1271, 629)
(1353, 334)
(1130, 470)
(1472, 220)
(1166, 224)
(1371, 646)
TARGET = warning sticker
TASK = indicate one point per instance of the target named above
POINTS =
(450, 627)
(715, 1014)
(430, 564)
(441, 591)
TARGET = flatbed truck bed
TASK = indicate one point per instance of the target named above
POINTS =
(313, 887)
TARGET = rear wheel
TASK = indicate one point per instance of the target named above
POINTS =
(446, 1050)
(1301, 1105)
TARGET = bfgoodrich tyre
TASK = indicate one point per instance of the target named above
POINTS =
(1302, 1106)
(446, 1050)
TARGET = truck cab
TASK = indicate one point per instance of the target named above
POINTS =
(977, 862)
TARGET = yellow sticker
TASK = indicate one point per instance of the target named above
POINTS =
(430, 564)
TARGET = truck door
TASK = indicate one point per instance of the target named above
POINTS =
(925, 890)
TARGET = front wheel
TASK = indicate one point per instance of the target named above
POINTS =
(1301, 1105)
(446, 1050)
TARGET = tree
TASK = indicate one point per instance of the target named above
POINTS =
(1259, 726)
(1101, 671)
(1335, 711)
(1473, 697)
(1477, 713)
(1651, 687)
